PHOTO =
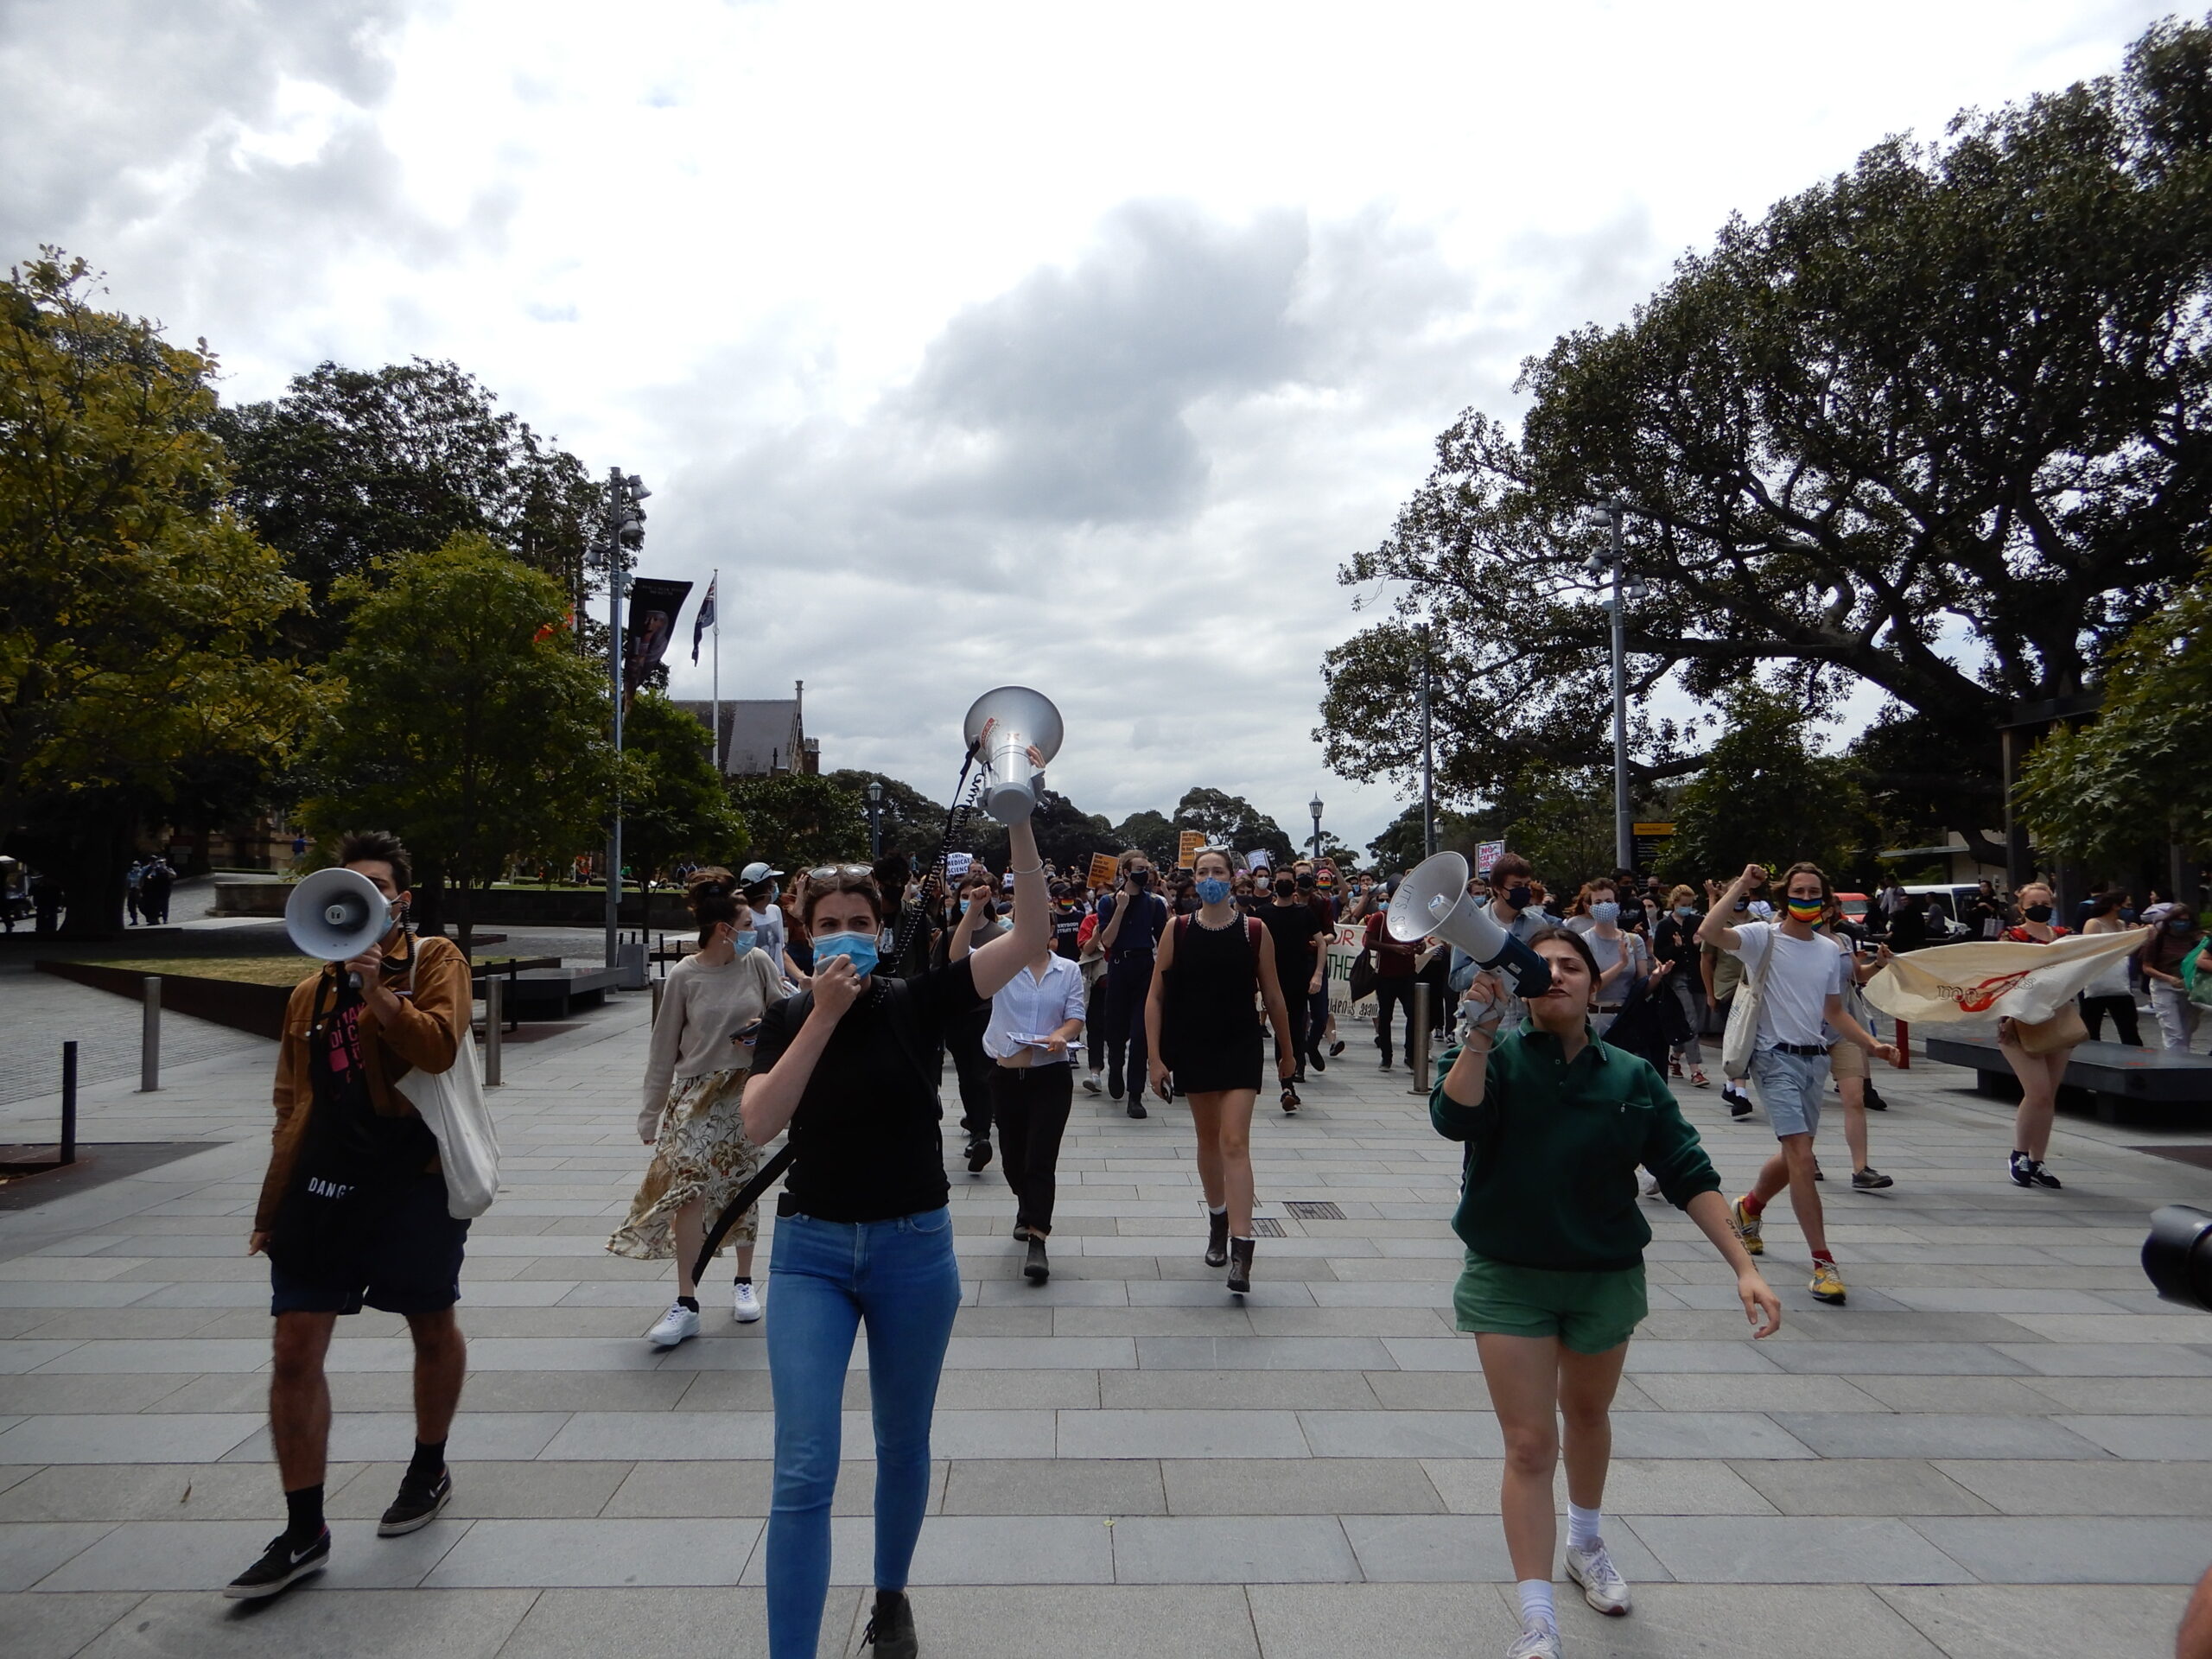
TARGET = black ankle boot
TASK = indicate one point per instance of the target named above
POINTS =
(890, 1627)
(1217, 1239)
(1240, 1265)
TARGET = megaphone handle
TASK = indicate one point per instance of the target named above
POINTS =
(1532, 975)
(353, 981)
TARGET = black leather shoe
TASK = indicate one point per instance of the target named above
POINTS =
(1217, 1239)
(979, 1152)
(890, 1627)
(1037, 1268)
(1240, 1265)
(1136, 1106)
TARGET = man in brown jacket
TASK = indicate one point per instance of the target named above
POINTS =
(352, 1210)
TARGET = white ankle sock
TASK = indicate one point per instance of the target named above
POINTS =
(1216, 1209)
(1537, 1606)
(1584, 1526)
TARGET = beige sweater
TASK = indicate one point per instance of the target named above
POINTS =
(702, 1009)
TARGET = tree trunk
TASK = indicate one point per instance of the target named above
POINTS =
(90, 871)
(464, 923)
(430, 901)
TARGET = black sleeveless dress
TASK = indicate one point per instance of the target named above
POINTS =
(1210, 1023)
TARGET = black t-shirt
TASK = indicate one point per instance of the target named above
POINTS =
(1140, 933)
(868, 1145)
(1067, 922)
(350, 1142)
(1292, 927)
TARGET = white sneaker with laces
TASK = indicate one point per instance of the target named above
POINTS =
(745, 1303)
(1543, 1642)
(679, 1324)
(1603, 1587)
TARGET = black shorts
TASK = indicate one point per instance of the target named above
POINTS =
(406, 1259)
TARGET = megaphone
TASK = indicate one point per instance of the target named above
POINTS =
(2177, 1255)
(1002, 727)
(336, 914)
(1433, 900)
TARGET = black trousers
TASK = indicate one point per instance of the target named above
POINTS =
(1031, 1109)
(1398, 993)
(1094, 1021)
(975, 1068)
(1129, 981)
(2122, 1009)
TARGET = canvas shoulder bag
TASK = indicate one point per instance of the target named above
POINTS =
(1741, 1038)
(452, 1104)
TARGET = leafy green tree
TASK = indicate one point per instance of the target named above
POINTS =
(1766, 794)
(674, 805)
(139, 616)
(1150, 833)
(2141, 775)
(1399, 847)
(793, 820)
(1229, 821)
(351, 466)
(1562, 823)
(911, 822)
(1969, 379)
(463, 725)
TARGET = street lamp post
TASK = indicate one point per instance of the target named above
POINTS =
(1625, 587)
(1427, 756)
(875, 794)
(625, 528)
(1314, 807)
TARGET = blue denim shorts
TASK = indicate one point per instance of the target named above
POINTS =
(1790, 1087)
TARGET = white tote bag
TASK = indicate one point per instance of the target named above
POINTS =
(1742, 1033)
(452, 1104)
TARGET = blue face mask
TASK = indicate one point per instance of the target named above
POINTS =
(1211, 889)
(744, 939)
(1605, 914)
(2180, 924)
(1686, 910)
(859, 949)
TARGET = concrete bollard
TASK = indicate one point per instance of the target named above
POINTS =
(149, 1039)
(494, 1027)
(68, 1102)
(1418, 1041)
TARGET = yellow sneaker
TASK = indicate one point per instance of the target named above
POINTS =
(1828, 1283)
(1747, 1229)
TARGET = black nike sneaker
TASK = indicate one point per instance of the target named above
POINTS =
(280, 1567)
(417, 1506)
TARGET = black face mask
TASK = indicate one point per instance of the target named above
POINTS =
(1285, 888)
(1517, 898)
(1305, 883)
(2037, 913)
(1140, 879)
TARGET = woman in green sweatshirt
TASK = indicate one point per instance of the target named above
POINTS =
(1555, 1123)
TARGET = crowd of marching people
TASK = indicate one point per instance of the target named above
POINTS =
(820, 1007)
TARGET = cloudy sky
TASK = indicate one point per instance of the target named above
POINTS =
(1067, 344)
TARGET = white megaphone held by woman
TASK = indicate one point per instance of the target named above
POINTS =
(1434, 902)
(1002, 728)
(336, 914)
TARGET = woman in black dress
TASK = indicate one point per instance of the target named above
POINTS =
(1202, 1025)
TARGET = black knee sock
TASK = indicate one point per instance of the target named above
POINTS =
(692, 1302)
(303, 1510)
(429, 1462)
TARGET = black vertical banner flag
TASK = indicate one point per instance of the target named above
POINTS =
(654, 607)
(705, 620)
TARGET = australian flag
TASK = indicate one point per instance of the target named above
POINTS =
(706, 621)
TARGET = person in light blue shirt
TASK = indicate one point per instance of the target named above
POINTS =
(1035, 1018)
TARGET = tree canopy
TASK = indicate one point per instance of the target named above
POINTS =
(2141, 774)
(1960, 389)
(674, 805)
(467, 723)
(794, 819)
(138, 615)
(1399, 845)
(1766, 794)
(1229, 821)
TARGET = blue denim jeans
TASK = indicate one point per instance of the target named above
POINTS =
(825, 1278)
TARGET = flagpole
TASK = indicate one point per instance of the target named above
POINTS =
(714, 586)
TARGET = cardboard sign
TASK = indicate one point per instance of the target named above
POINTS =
(1188, 847)
(1257, 859)
(1487, 853)
(1103, 868)
(955, 865)
(1345, 944)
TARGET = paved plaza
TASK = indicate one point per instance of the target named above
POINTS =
(1999, 1447)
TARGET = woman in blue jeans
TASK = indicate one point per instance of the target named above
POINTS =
(863, 1234)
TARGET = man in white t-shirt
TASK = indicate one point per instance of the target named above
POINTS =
(1795, 971)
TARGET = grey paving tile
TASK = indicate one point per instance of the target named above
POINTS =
(30, 1552)
(326, 1622)
(2030, 1621)
(1283, 1486)
(1262, 1353)
(1225, 1433)
(1464, 1550)
(1446, 1391)
(1703, 1435)
(1762, 1391)
(495, 1489)
(1254, 1549)
(168, 1491)
(1860, 1434)
(2107, 1488)
(362, 1437)
(1142, 1390)
(1633, 1486)
(669, 1624)
(613, 1554)
(137, 1355)
(1681, 1357)
(1860, 1485)
(1402, 1433)
(967, 1549)
(31, 1397)
(1897, 1358)
(180, 1437)
(1115, 1621)
(1795, 1549)
(2101, 1359)
(87, 1293)
(1746, 1622)
(1113, 1486)
(2140, 1436)
(203, 1555)
(57, 1627)
(2075, 1550)
(1990, 1396)
(626, 1436)
(1040, 1353)
(1406, 1621)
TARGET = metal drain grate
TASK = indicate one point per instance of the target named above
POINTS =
(1314, 1210)
(1267, 1227)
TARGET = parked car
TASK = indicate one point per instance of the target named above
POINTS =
(1947, 905)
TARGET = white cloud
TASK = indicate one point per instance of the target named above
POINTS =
(1070, 344)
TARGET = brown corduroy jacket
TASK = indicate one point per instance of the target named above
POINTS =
(425, 1036)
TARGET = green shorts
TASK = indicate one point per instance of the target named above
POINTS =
(1591, 1312)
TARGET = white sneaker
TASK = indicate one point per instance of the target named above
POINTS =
(1543, 1642)
(1603, 1587)
(745, 1304)
(1650, 1184)
(678, 1325)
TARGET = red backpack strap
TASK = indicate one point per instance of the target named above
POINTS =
(1253, 929)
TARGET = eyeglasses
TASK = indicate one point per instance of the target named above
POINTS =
(838, 872)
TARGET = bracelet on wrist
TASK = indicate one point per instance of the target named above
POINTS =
(1038, 869)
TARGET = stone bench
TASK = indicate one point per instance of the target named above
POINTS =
(2117, 1080)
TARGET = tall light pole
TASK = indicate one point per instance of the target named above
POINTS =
(875, 794)
(1625, 587)
(1427, 756)
(625, 528)
(1314, 807)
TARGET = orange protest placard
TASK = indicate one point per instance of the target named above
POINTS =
(1187, 848)
(1103, 870)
